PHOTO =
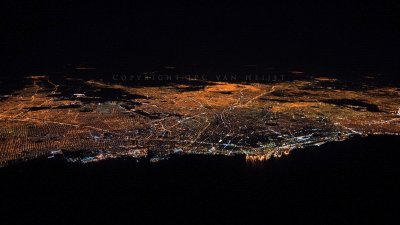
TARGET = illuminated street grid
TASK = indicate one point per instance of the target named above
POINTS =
(258, 120)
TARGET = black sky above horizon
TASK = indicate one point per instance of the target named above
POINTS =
(327, 34)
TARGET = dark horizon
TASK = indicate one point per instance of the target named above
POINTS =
(326, 36)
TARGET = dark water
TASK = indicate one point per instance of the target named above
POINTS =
(350, 182)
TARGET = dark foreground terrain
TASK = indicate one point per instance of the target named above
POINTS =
(349, 182)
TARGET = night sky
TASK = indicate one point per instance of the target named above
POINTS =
(335, 35)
